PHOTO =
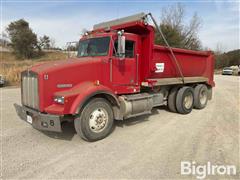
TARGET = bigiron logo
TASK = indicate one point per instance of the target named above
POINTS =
(202, 171)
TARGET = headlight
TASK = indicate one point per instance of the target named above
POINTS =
(59, 99)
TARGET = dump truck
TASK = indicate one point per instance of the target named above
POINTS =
(118, 73)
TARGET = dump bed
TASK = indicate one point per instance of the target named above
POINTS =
(196, 66)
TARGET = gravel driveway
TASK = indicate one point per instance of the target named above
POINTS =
(144, 147)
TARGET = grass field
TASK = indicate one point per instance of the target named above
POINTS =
(12, 67)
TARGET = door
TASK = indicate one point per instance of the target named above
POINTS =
(124, 70)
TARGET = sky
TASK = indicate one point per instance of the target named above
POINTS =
(63, 20)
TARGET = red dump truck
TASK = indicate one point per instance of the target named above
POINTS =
(118, 73)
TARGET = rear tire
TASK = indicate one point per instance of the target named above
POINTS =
(95, 121)
(200, 96)
(185, 100)
(172, 99)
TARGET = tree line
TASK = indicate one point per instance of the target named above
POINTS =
(231, 58)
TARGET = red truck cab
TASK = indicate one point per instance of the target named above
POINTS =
(118, 73)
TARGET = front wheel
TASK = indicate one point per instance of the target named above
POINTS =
(95, 121)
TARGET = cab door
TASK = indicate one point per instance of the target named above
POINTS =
(124, 70)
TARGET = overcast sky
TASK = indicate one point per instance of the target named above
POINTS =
(64, 20)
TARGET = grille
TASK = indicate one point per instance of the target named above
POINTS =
(30, 96)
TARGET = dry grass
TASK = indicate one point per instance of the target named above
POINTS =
(12, 67)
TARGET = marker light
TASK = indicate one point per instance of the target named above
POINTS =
(59, 99)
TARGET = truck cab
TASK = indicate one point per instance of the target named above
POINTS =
(119, 56)
(118, 73)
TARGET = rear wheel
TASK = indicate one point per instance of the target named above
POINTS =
(200, 96)
(185, 100)
(172, 99)
(95, 121)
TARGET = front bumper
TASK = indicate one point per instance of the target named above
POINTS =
(40, 121)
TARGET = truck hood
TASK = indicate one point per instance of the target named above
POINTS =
(60, 64)
(66, 74)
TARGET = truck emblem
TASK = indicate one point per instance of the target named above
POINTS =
(64, 85)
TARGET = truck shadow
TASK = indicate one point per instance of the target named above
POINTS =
(68, 130)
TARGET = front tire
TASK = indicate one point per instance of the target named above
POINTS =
(95, 121)
(185, 100)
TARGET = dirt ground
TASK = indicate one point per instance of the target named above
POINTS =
(147, 147)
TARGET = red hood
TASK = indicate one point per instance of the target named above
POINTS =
(71, 72)
(60, 64)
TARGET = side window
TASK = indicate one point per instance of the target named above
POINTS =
(129, 48)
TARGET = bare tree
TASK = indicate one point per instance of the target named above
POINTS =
(52, 43)
(178, 33)
(173, 16)
(190, 33)
(219, 49)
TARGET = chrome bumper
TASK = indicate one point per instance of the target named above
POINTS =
(40, 121)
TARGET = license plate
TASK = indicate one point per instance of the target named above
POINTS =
(29, 119)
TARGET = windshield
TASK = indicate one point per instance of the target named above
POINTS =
(94, 47)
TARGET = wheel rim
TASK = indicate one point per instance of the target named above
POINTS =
(203, 97)
(188, 101)
(98, 120)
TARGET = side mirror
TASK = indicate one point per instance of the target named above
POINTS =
(121, 45)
